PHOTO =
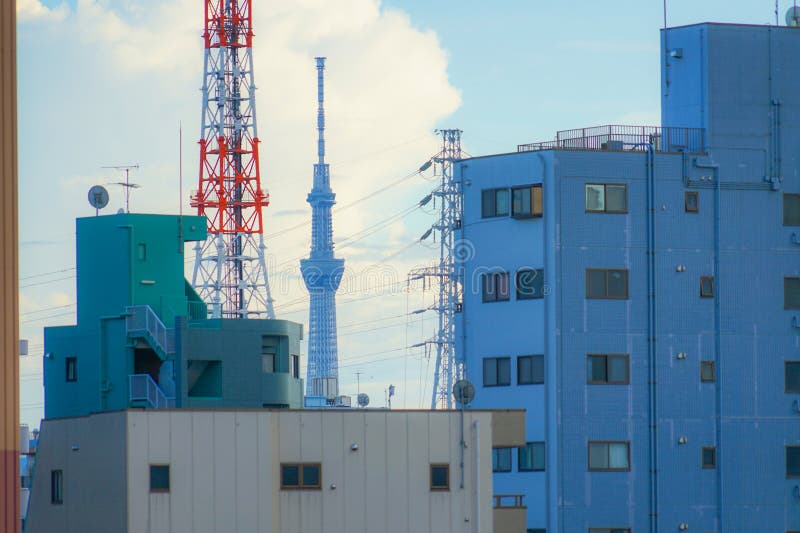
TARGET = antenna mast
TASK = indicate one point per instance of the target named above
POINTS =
(127, 185)
(230, 270)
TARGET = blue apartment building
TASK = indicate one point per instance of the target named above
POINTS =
(637, 290)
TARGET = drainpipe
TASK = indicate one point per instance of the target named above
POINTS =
(714, 167)
(477, 454)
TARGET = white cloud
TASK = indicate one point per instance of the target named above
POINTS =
(28, 10)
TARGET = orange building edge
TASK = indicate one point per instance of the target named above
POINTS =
(9, 297)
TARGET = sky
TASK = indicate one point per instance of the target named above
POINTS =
(108, 83)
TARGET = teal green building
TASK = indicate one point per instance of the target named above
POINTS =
(143, 339)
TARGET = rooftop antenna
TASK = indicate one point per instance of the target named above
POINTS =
(127, 185)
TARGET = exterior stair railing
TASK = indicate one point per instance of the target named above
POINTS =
(143, 321)
(142, 388)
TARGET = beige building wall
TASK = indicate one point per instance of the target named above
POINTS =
(225, 471)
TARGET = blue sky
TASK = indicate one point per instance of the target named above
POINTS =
(108, 83)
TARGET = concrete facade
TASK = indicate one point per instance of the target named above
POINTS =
(715, 207)
(225, 471)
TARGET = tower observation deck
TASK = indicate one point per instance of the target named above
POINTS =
(322, 272)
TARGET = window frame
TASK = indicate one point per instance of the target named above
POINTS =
(708, 363)
(788, 447)
(160, 490)
(300, 484)
(785, 303)
(713, 464)
(704, 293)
(495, 276)
(589, 468)
(493, 191)
(294, 366)
(605, 209)
(686, 207)
(71, 363)
(57, 486)
(608, 356)
(785, 374)
(497, 359)
(533, 468)
(609, 529)
(496, 453)
(537, 273)
(606, 295)
(533, 213)
(437, 488)
(783, 208)
(532, 357)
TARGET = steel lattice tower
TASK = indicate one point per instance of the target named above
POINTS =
(230, 272)
(322, 272)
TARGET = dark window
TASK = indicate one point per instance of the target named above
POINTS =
(501, 459)
(791, 293)
(707, 371)
(530, 458)
(440, 477)
(607, 369)
(793, 461)
(536, 530)
(607, 283)
(296, 476)
(295, 360)
(530, 283)
(791, 209)
(606, 198)
(72, 369)
(530, 369)
(791, 372)
(609, 530)
(269, 354)
(526, 202)
(706, 286)
(609, 455)
(494, 203)
(495, 287)
(56, 487)
(692, 202)
(159, 478)
(709, 457)
(496, 371)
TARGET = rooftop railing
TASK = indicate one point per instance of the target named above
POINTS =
(141, 387)
(509, 501)
(618, 138)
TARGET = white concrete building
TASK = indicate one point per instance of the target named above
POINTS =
(284, 471)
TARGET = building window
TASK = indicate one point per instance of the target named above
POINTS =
(268, 363)
(607, 283)
(501, 459)
(295, 361)
(606, 456)
(706, 286)
(530, 458)
(494, 203)
(269, 352)
(793, 461)
(526, 202)
(791, 209)
(495, 287)
(707, 371)
(607, 369)
(496, 371)
(709, 457)
(691, 201)
(536, 530)
(301, 476)
(56, 487)
(791, 293)
(440, 477)
(159, 478)
(606, 198)
(141, 251)
(791, 371)
(204, 378)
(530, 370)
(72, 369)
(609, 530)
(530, 283)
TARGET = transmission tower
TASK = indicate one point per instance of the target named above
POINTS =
(447, 275)
(230, 271)
(322, 272)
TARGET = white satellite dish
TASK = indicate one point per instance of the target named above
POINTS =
(793, 16)
(363, 400)
(98, 198)
(464, 391)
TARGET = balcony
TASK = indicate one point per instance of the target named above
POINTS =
(617, 138)
(510, 513)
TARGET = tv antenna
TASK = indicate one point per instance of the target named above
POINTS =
(127, 185)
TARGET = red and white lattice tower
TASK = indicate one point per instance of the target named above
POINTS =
(230, 271)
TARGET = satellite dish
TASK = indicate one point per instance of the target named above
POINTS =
(464, 391)
(363, 400)
(793, 16)
(98, 197)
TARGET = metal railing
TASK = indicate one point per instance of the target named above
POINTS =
(142, 320)
(624, 138)
(141, 387)
(511, 501)
(197, 310)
